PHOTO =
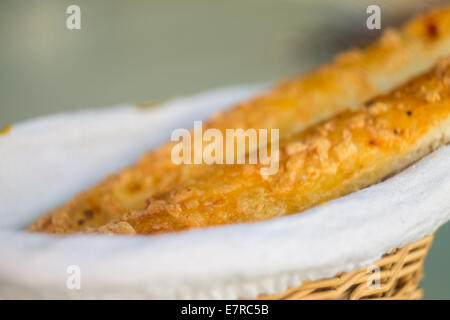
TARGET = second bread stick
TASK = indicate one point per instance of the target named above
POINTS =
(351, 151)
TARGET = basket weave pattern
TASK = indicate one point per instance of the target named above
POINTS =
(400, 274)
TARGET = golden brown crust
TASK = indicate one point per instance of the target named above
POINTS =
(350, 79)
(344, 154)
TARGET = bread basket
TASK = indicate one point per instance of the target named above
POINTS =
(327, 252)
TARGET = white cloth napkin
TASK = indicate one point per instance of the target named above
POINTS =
(44, 162)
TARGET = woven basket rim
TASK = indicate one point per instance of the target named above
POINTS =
(400, 272)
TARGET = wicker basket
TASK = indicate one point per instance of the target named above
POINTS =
(401, 272)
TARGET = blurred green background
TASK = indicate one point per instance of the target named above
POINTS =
(136, 51)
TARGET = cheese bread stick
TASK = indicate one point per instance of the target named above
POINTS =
(352, 78)
(348, 152)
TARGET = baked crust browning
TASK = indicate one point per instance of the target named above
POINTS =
(353, 150)
(352, 78)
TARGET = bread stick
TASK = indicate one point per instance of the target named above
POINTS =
(353, 150)
(352, 78)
